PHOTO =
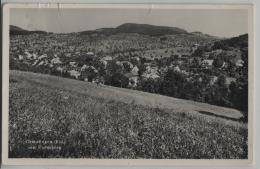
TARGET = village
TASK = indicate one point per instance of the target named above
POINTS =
(135, 61)
(60, 52)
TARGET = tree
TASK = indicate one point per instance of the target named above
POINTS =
(141, 69)
(115, 75)
(173, 84)
(149, 85)
(198, 52)
(117, 80)
(218, 62)
(90, 73)
(220, 92)
(239, 96)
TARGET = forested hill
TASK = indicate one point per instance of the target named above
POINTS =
(144, 29)
(15, 30)
(149, 29)
(235, 42)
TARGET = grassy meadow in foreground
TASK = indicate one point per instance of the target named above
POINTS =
(85, 126)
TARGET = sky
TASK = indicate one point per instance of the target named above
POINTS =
(216, 22)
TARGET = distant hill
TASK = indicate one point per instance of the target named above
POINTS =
(144, 29)
(149, 29)
(203, 35)
(15, 30)
(236, 42)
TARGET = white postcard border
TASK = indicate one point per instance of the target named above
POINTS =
(122, 162)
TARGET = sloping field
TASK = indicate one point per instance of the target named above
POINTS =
(53, 117)
(126, 95)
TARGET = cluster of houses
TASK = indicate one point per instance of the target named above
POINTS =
(58, 52)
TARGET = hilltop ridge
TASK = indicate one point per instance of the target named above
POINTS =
(149, 29)
(144, 29)
(15, 30)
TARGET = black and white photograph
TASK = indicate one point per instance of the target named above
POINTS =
(128, 82)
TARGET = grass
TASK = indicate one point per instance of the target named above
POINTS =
(94, 126)
(126, 95)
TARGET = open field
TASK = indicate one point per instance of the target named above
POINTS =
(96, 121)
(126, 95)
